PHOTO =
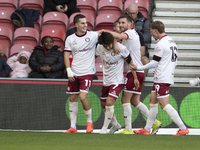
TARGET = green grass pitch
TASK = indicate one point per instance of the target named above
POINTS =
(15, 140)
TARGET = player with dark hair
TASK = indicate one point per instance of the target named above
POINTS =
(113, 78)
(131, 93)
(82, 45)
(164, 61)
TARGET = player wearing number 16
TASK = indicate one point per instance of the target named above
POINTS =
(164, 61)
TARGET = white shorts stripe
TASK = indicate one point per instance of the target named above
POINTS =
(134, 92)
(163, 96)
(72, 92)
(84, 91)
(113, 95)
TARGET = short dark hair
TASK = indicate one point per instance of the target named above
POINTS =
(158, 25)
(105, 38)
(42, 41)
(77, 17)
(129, 19)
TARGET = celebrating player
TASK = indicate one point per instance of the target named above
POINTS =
(131, 93)
(82, 45)
(164, 61)
(113, 78)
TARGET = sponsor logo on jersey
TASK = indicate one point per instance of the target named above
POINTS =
(111, 63)
(87, 40)
(103, 53)
(74, 43)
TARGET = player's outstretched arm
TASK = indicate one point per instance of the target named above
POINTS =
(116, 35)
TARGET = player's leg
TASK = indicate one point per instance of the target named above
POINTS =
(111, 93)
(152, 116)
(109, 107)
(85, 83)
(173, 114)
(127, 111)
(73, 90)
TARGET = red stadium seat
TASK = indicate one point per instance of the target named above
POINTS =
(99, 70)
(98, 60)
(87, 6)
(5, 49)
(5, 36)
(105, 21)
(16, 48)
(143, 6)
(9, 5)
(37, 24)
(110, 7)
(90, 20)
(32, 4)
(55, 19)
(5, 20)
(57, 34)
(26, 35)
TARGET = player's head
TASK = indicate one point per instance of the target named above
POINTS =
(156, 28)
(106, 39)
(125, 22)
(80, 23)
(116, 27)
(47, 42)
(132, 10)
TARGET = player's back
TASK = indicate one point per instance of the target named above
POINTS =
(167, 49)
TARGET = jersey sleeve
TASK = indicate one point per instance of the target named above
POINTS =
(67, 45)
(158, 52)
(97, 50)
(124, 51)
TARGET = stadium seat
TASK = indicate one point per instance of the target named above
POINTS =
(32, 4)
(143, 6)
(5, 49)
(105, 21)
(26, 35)
(87, 6)
(58, 36)
(110, 7)
(99, 70)
(16, 48)
(5, 20)
(9, 5)
(37, 24)
(98, 60)
(90, 20)
(5, 36)
(55, 19)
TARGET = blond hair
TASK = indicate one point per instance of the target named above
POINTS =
(1, 53)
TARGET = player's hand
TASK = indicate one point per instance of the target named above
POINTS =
(66, 8)
(137, 83)
(132, 66)
(100, 31)
(71, 75)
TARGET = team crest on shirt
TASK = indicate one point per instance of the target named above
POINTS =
(87, 40)
(112, 54)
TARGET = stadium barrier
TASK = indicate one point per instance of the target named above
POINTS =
(43, 105)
